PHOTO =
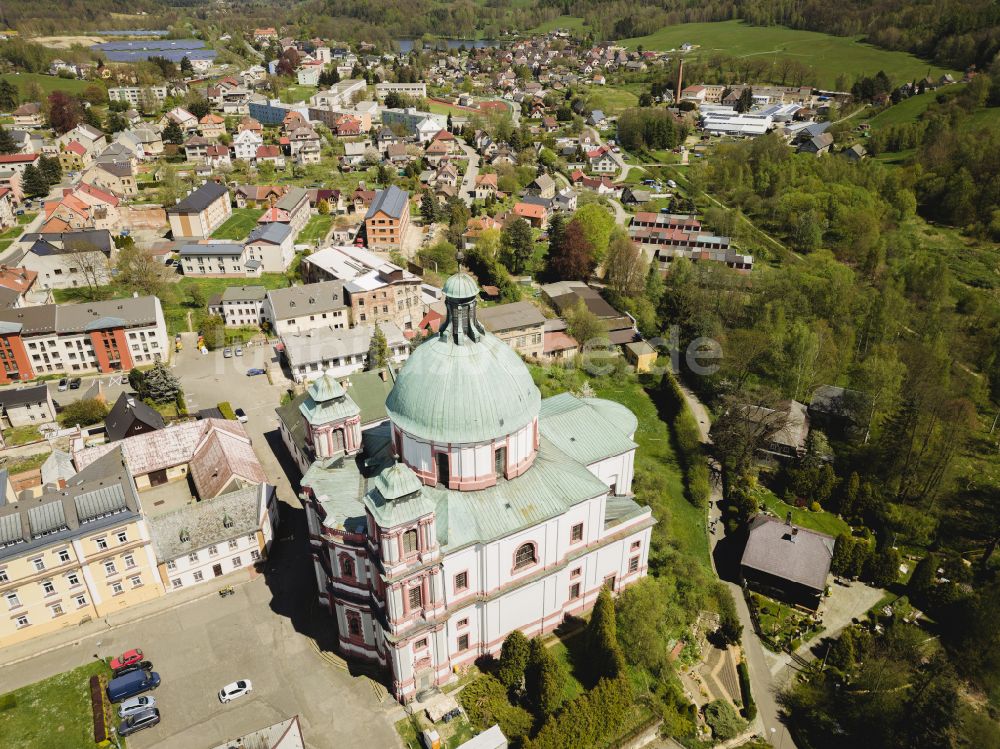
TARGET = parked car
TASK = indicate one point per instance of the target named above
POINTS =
(137, 722)
(239, 351)
(129, 685)
(137, 666)
(63, 384)
(135, 705)
(126, 659)
(227, 353)
(241, 416)
(253, 371)
(234, 690)
(75, 383)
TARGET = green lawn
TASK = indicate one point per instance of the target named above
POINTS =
(436, 107)
(908, 110)
(48, 83)
(828, 56)
(21, 435)
(239, 225)
(296, 93)
(51, 714)
(569, 23)
(822, 521)
(316, 230)
(611, 100)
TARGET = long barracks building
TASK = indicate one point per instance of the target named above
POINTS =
(109, 336)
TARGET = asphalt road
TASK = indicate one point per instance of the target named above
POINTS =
(471, 172)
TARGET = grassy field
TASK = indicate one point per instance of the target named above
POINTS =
(28, 463)
(436, 107)
(51, 714)
(48, 83)
(316, 230)
(239, 225)
(611, 100)
(296, 93)
(21, 435)
(823, 521)
(569, 23)
(908, 110)
(827, 56)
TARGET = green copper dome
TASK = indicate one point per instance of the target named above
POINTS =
(461, 286)
(398, 480)
(326, 388)
(464, 385)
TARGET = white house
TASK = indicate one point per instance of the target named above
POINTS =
(240, 306)
(339, 351)
(300, 308)
(272, 244)
(245, 144)
(204, 540)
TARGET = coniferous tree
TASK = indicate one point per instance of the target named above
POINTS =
(7, 144)
(544, 681)
(602, 640)
(34, 182)
(8, 96)
(160, 384)
(378, 350)
(513, 659)
(186, 67)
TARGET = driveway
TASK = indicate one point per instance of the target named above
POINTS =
(471, 172)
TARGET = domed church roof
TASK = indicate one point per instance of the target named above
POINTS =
(464, 385)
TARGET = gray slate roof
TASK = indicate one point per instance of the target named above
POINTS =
(244, 293)
(510, 316)
(390, 201)
(212, 521)
(309, 299)
(76, 318)
(11, 398)
(211, 248)
(274, 232)
(127, 410)
(802, 556)
(200, 199)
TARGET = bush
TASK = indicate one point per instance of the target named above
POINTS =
(485, 702)
(749, 706)
(97, 707)
(815, 507)
(589, 720)
(723, 720)
(688, 439)
(84, 412)
(226, 410)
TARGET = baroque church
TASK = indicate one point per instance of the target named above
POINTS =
(463, 507)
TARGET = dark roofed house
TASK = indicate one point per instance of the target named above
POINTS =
(130, 416)
(565, 295)
(201, 212)
(27, 405)
(787, 562)
(837, 409)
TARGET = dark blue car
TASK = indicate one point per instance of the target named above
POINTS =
(255, 371)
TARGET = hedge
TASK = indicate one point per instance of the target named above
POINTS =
(749, 706)
(226, 410)
(688, 439)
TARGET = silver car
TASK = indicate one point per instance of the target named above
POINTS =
(137, 722)
(135, 705)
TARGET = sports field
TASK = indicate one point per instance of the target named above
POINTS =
(827, 56)
(239, 225)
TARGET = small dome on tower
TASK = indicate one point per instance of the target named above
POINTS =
(326, 388)
(461, 286)
(397, 481)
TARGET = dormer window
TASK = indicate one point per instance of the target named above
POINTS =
(185, 536)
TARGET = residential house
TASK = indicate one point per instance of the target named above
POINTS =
(388, 218)
(640, 355)
(786, 561)
(115, 177)
(272, 245)
(15, 285)
(304, 145)
(518, 324)
(485, 187)
(301, 308)
(339, 351)
(218, 259)
(129, 416)
(75, 553)
(245, 144)
(475, 226)
(240, 306)
(212, 126)
(270, 154)
(534, 214)
(187, 122)
(567, 295)
(67, 259)
(74, 157)
(818, 145)
(27, 406)
(110, 336)
(292, 209)
(7, 214)
(18, 162)
(599, 160)
(201, 212)
(543, 186)
(28, 115)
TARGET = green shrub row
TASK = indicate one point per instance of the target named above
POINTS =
(688, 441)
(592, 719)
(226, 410)
(749, 706)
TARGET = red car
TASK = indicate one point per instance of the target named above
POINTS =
(126, 659)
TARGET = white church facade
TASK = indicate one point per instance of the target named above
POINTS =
(471, 509)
